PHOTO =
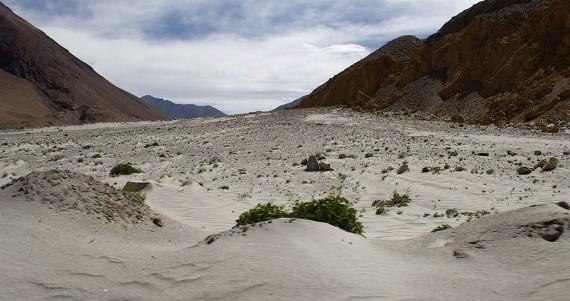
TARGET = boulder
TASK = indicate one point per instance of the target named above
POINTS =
(312, 164)
(136, 186)
(404, 168)
(523, 170)
(324, 166)
(551, 165)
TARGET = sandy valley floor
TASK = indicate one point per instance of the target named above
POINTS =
(205, 172)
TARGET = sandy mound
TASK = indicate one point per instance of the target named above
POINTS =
(80, 194)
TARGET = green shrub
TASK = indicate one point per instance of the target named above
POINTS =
(124, 169)
(262, 213)
(136, 196)
(334, 210)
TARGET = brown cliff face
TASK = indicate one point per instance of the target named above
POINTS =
(501, 60)
(42, 84)
(360, 82)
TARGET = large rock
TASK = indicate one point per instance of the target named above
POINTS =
(523, 171)
(136, 186)
(312, 164)
(551, 165)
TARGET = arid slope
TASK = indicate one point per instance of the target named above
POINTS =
(43, 84)
(501, 60)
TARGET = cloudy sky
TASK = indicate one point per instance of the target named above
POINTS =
(238, 55)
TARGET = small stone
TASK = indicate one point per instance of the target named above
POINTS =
(523, 170)
(537, 153)
(404, 168)
(483, 154)
(490, 171)
(158, 221)
(564, 205)
(457, 119)
(551, 165)
(426, 169)
(541, 164)
(551, 128)
(460, 254)
(324, 166)
(553, 233)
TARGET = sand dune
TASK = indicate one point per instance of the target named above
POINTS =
(61, 243)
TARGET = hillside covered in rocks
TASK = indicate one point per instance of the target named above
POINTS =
(499, 61)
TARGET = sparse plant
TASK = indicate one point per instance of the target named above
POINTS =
(134, 194)
(441, 228)
(215, 160)
(397, 200)
(452, 212)
(124, 169)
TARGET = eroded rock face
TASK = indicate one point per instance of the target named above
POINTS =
(363, 80)
(501, 60)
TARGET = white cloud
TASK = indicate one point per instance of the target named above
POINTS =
(250, 56)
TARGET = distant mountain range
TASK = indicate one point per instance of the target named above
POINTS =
(42, 84)
(181, 111)
(289, 105)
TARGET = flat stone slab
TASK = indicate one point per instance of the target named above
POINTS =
(136, 186)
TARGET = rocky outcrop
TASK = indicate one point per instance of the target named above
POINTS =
(501, 60)
(366, 79)
(43, 84)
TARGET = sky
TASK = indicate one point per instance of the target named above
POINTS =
(237, 55)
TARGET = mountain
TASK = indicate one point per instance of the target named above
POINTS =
(42, 84)
(288, 105)
(499, 61)
(182, 111)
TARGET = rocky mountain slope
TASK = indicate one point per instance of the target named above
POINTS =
(288, 105)
(501, 60)
(181, 111)
(42, 84)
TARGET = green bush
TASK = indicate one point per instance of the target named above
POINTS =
(262, 213)
(133, 194)
(136, 196)
(334, 210)
(124, 169)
